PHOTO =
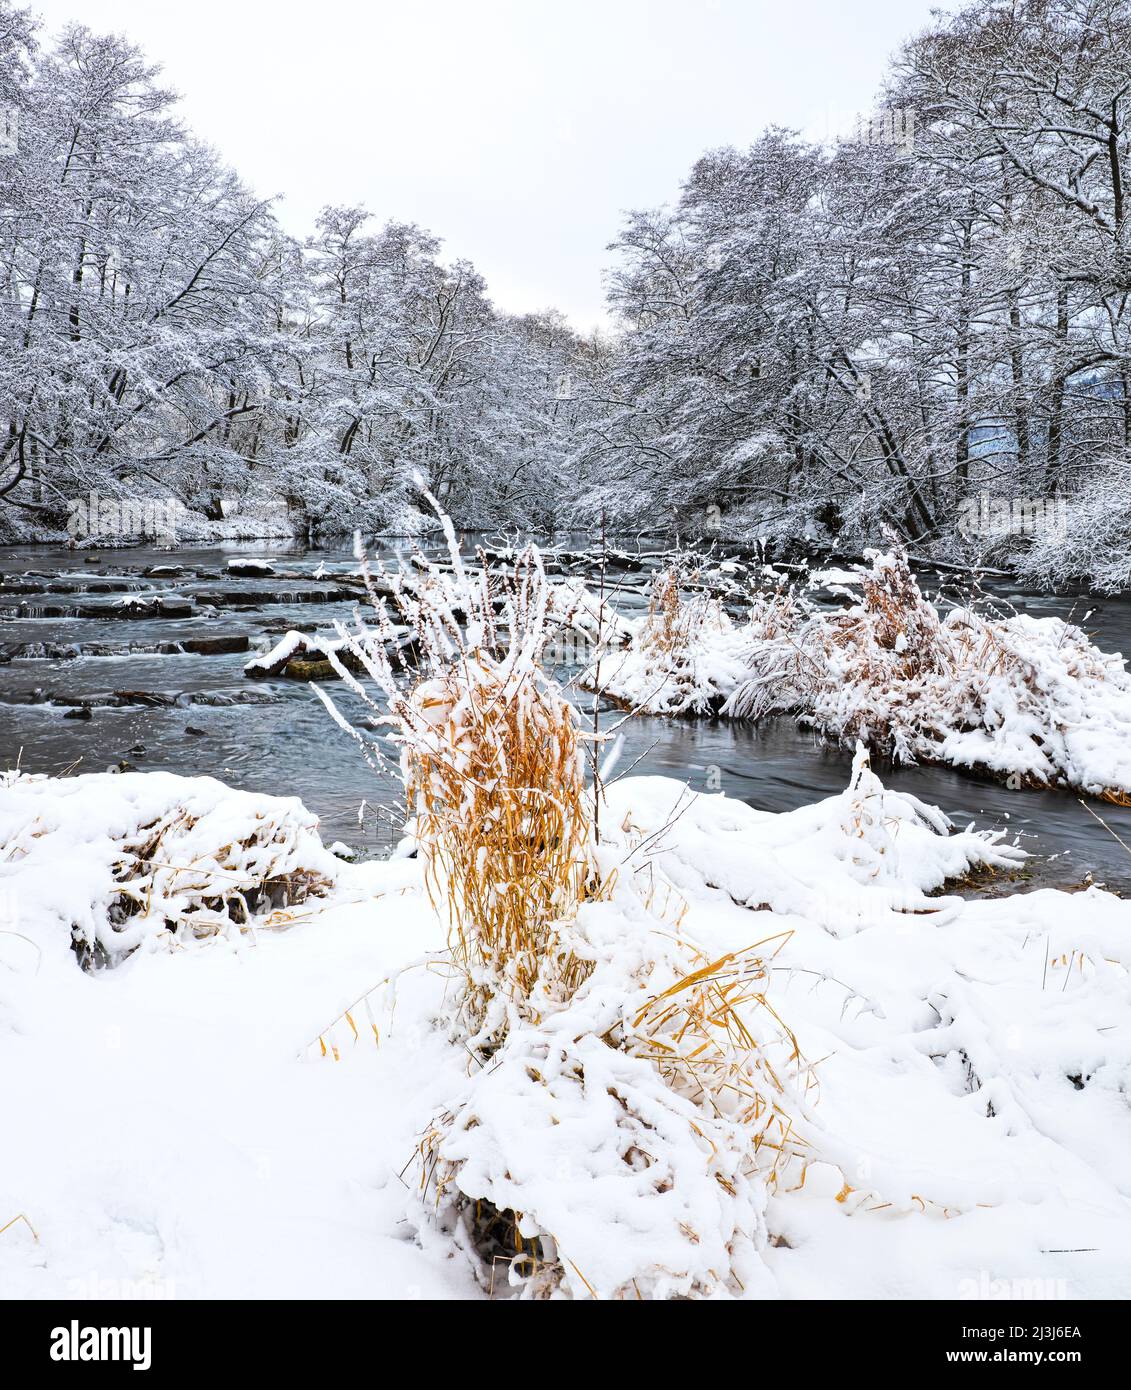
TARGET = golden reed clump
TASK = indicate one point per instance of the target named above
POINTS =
(491, 757)
(495, 779)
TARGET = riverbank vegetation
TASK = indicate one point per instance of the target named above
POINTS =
(1029, 700)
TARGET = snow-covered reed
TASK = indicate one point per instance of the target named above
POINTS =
(492, 765)
(609, 1053)
(685, 655)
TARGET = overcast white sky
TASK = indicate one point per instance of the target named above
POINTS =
(517, 130)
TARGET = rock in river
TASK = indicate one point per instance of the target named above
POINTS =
(215, 646)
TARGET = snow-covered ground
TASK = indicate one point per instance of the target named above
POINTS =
(177, 1125)
(163, 1133)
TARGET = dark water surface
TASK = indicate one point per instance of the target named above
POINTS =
(284, 743)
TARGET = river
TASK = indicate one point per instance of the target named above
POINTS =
(197, 713)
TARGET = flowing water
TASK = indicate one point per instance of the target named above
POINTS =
(107, 637)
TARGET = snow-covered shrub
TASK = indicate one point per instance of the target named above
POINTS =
(870, 666)
(1093, 545)
(1019, 697)
(621, 1145)
(775, 669)
(685, 657)
(152, 858)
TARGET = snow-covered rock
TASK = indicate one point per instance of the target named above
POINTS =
(250, 568)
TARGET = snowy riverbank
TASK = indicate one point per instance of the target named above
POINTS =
(967, 1125)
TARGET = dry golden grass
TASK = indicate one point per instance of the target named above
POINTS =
(898, 614)
(674, 623)
(491, 762)
(665, 629)
(699, 1034)
(19, 1216)
(499, 795)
